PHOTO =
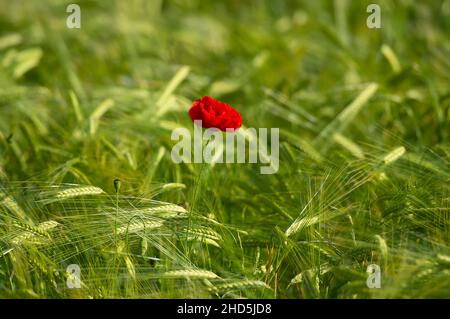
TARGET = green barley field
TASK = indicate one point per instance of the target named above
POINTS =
(87, 177)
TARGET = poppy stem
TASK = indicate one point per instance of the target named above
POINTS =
(196, 188)
(117, 188)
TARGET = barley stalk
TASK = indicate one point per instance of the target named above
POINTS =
(190, 273)
(30, 232)
(79, 191)
(138, 226)
(244, 284)
(9, 203)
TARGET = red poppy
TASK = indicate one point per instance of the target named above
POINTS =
(216, 114)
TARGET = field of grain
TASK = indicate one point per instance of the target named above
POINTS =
(87, 177)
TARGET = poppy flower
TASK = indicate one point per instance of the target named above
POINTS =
(215, 114)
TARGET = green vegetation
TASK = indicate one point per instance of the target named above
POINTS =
(364, 172)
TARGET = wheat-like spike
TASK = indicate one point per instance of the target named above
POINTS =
(301, 223)
(171, 215)
(79, 191)
(205, 240)
(240, 285)
(39, 229)
(170, 186)
(31, 232)
(137, 226)
(205, 235)
(383, 246)
(394, 155)
(204, 232)
(348, 144)
(37, 264)
(305, 221)
(299, 278)
(44, 226)
(190, 273)
(163, 211)
(130, 267)
(11, 204)
(5, 252)
(164, 208)
(443, 259)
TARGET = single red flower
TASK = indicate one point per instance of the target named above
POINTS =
(216, 114)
